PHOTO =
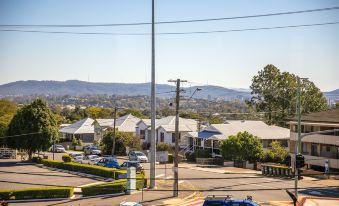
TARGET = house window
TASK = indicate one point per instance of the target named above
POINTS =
(142, 134)
(162, 137)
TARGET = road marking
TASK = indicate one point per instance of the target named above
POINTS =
(256, 184)
(181, 181)
(169, 177)
(161, 175)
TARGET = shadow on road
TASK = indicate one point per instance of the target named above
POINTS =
(321, 192)
(31, 183)
(37, 173)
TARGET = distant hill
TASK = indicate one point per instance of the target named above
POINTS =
(78, 88)
(332, 95)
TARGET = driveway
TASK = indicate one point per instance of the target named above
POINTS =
(14, 174)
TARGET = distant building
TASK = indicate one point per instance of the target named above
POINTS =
(317, 148)
(212, 136)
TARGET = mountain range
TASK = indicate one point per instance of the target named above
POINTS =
(78, 88)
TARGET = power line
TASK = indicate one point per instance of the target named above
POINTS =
(170, 33)
(174, 22)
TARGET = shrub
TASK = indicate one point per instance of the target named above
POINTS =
(190, 157)
(117, 186)
(37, 160)
(36, 193)
(89, 169)
(66, 158)
(170, 158)
(202, 153)
(165, 147)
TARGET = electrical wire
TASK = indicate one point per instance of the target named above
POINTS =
(175, 22)
(19, 135)
(170, 33)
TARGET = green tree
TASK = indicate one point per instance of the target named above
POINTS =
(276, 153)
(243, 146)
(231, 148)
(123, 140)
(164, 147)
(7, 111)
(275, 92)
(35, 127)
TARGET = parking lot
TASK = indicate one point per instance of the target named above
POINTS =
(14, 174)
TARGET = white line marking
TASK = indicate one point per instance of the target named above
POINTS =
(169, 177)
(181, 181)
(161, 175)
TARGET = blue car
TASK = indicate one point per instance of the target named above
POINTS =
(109, 162)
(228, 201)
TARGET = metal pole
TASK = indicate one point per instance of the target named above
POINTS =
(298, 145)
(114, 125)
(153, 109)
(176, 150)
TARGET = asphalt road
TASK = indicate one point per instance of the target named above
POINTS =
(13, 175)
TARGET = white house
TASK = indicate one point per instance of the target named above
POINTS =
(212, 136)
(165, 130)
(82, 129)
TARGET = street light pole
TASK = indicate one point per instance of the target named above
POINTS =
(153, 110)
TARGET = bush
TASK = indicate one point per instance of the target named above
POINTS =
(190, 157)
(66, 158)
(170, 158)
(165, 147)
(36, 193)
(202, 153)
(37, 160)
(117, 186)
(89, 169)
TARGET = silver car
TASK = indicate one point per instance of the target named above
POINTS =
(90, 159)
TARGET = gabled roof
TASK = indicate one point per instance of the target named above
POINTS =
(84, 126)
(127, 123)
(105, 122)
(257, 128)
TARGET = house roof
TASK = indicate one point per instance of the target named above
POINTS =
(168, 124)
(328, 116)
(105, 122)
(127, 123)
(257, 128)
(84, 126)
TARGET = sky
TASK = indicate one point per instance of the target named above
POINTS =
(224, 59)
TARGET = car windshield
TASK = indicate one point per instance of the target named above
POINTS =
(139, 154)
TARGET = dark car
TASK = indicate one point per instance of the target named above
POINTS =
(228, 201)
(129, 164)
(109, 162)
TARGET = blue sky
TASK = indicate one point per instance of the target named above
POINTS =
(228, 59)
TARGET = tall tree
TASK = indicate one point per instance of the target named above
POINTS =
(7, 111)
(275, 92)
(33, 128)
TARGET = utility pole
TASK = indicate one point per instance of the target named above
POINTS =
(153, 110)
(298, 145)
(114, 124)
(176, 150)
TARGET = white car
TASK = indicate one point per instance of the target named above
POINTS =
(78, 159)
(137, 156)
(90, 159)
(58, 148)
(130, 204)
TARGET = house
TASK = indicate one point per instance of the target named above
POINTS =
(317, 148)
(82, 129)
(212, 136)
(165, 130)
(125, 123)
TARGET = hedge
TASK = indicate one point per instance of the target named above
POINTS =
(37, 193)
(84, 168)
(66, 158)
(117, 186)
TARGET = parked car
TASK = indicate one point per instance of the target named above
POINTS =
(90, 159)
(78, 159)
(135, 164)
(137, 156)
(92, 150)
(58, 148)
(228, 201)
(110, 162)
(130, 204)
(76, 154)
